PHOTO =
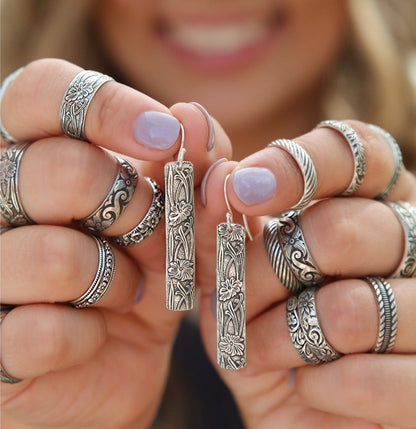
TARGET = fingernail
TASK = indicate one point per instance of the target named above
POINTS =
(204, 180)
(140, 289)
(290, 376)
(156, 129)
(254, 185)
(211, 133)
(213, 303)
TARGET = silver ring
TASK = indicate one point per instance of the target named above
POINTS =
(388, 320)
(406, 213)
(116, 200)
(149, 222)
(4, 133)
(306, 167)
(4, 377)
(357, 150)
(10, 205)
(4, 228)
(76, 100)
(103, 277)
(397, 159)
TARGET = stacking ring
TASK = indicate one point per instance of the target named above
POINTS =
(4, 377)
(76, 100)
(306, 167)
(103, 277)
(406, 213)
(149, 222)
(4, 133)
(357, 150)
(117, 199)
(397, 159)
(10, 204)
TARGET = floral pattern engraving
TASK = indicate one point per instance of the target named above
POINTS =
(231, 300)
(180, 242)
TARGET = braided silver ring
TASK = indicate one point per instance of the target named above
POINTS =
(4, 133)
(103, 277)
(306, 167)
(4, 376)
(406, 213)
(116, 200)
(76, 100)
(351, 136)
(11, 206)
(149, 222)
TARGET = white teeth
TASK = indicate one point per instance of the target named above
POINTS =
(218, 38)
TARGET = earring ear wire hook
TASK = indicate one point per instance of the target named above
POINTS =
(182, 149)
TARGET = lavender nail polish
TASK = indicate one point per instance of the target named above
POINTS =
(290, 376)
(156, 129)
(254, 185)
(140, 289)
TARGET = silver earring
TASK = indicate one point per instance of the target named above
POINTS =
(180, 240)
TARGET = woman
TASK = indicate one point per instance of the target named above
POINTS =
(264, 71)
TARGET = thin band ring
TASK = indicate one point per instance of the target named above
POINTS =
(149, 222)
(4, 133)
(306, 166)
(351, 136)
(4, 377)
(76, 100)
(116, 200)
(103, 277)
(11, 206)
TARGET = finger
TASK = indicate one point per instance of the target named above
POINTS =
(276, 182)
(60, 265)
(376, 388)
(41, 338)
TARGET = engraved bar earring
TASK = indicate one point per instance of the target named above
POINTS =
(180, 242)
(231, 294)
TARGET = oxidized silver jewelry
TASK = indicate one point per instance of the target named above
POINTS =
(149, 222)
(406, 213)
(180, 235)
(11, 206)
(4, 377)
(103, 277)
(76, 100)
(4, 133)
(397, 159)
(388, 320)
(306, 167)
(351, 136)
(117, 199)
(4, 228)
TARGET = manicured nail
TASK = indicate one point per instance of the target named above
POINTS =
(204, 180)
(140, 289)
(254, 185)
(290, 376)
(156, 129)
(213, 303)
(211, 133)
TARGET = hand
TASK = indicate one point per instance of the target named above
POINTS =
(103, 366)
(348, 238)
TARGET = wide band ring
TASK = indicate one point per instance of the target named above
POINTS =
(406, 213)
(149, 222)
(388, 320)
(103, 277)
(397, 160)
(4, 133)
(357, 148)
(306, 167)
(4, 377)
(116, 200)
(76, 100)
(11, 206)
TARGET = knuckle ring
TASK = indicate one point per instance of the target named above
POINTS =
(388, 319)
(4, 377)
(406, 213)
(116, 200)
(306, 167)
(11, 206)
(103, 277)
(149, 222)
(357, 148)
(76, 100)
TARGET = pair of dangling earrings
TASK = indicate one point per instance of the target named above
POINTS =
(180, 261)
